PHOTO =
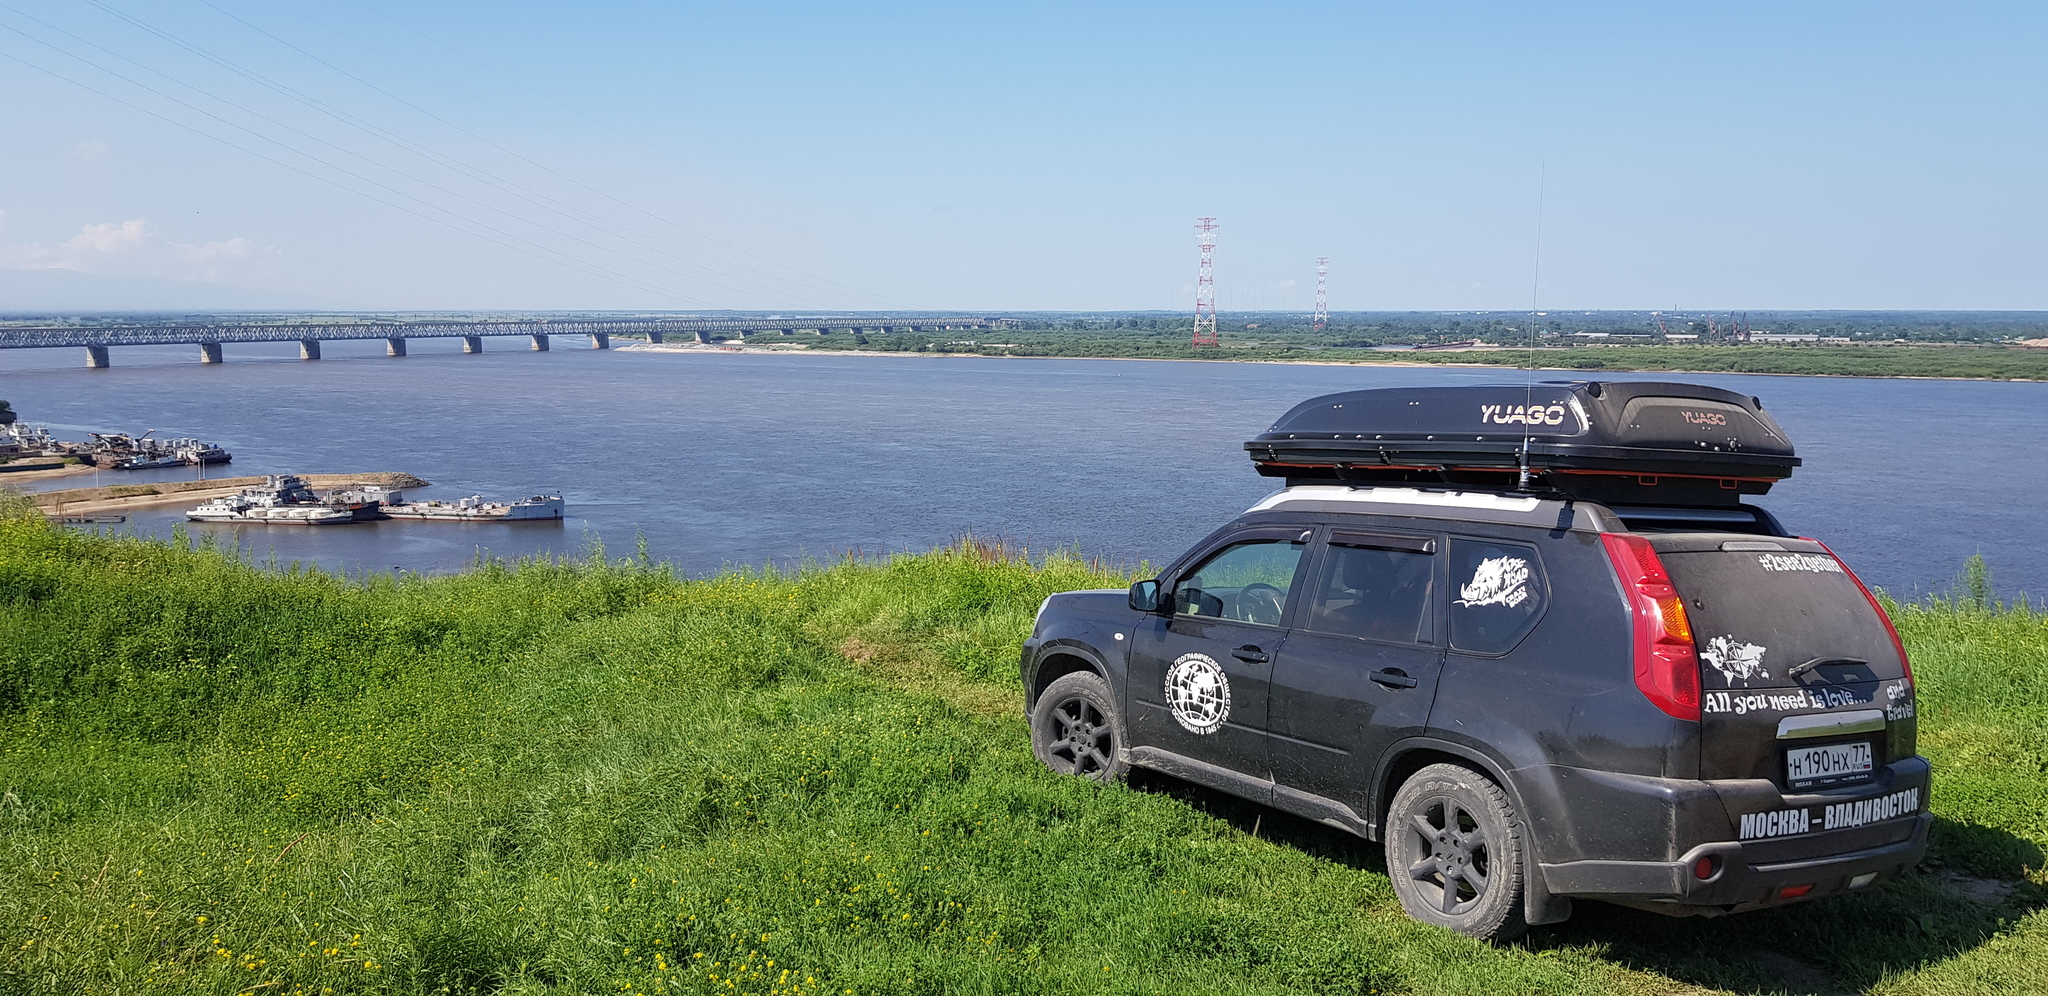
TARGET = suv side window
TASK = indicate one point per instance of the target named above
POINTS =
(1376, 586)
(1497, 594)
(1246, 582)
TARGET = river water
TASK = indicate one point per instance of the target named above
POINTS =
(717, 459)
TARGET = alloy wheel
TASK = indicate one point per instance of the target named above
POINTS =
(1456, 859)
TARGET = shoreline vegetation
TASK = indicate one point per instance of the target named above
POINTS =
(590, 775)
(1936, 362)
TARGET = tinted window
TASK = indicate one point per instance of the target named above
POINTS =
(1497, 593)
(1375, 593)
(1246, 581)
(1757, 614)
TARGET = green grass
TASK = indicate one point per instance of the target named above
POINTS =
(1991, 361)
(591, 777)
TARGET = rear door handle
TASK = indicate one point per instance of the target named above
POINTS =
(1393, 677)
(1250, 654)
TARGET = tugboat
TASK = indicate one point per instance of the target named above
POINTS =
(198, 454)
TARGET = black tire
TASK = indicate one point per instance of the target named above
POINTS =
(1454, 852)
(1076, 730)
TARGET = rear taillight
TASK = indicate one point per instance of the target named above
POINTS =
(1667, 666)
(1897, 644)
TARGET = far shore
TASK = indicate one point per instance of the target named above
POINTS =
(1580, 373)
(71, 470)
(120, 498)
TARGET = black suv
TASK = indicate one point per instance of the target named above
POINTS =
(1539, 659)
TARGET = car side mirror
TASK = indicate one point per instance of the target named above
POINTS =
(1145, 596)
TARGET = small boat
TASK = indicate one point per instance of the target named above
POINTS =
(148, 462)
(475, 509)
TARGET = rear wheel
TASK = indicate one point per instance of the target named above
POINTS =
(1454, 852)
(1075, 728)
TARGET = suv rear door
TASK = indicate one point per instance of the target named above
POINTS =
(1360, 669)
(1800, 680)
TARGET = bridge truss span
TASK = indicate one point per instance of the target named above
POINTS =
(97, 339)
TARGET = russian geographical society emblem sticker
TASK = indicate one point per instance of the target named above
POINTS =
(1198, 692)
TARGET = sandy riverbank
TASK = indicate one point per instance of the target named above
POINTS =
(121, 498)
(8, 477)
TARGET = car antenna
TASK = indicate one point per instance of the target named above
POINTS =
(1529, 374)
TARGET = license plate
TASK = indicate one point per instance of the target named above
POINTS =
(1827, 765)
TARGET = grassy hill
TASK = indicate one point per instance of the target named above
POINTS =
(592, 777)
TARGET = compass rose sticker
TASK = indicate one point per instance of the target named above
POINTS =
(1198, 692)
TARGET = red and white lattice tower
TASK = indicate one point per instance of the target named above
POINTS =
(1205, 287)
(1322, 316)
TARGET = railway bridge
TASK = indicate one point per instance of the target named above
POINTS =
(98, 340)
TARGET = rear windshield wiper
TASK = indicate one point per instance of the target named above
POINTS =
(1799, 669)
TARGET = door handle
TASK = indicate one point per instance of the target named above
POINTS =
(1393, 677)
(1250, 655)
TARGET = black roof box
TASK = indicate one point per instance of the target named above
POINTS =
(1637, 442)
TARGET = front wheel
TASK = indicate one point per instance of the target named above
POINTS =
(1454, 852)
(1075, 728)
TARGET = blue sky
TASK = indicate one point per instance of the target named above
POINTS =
(381, 155)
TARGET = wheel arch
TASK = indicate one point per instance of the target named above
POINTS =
(1056, 662)
(1405, 758)
(1409, 756)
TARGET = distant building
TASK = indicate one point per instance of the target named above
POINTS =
(1681, 336)
(1782, 337)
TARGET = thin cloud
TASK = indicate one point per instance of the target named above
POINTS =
(132, 248)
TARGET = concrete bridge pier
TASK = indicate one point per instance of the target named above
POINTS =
(309, 349)
(96, 358)
(394, 346)
(209, 352)
(472, 344)
(540, 343)
(600, 340)
(654, 337)
(705, 337)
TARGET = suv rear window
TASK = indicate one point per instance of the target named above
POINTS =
(1497, 594)
(1759, 609)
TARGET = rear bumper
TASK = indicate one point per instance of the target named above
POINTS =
(1742, 876)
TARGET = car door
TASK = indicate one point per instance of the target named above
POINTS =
(1361, 665)
(1199, 676)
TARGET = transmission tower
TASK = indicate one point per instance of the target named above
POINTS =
(1205, 287)
(1322, 319)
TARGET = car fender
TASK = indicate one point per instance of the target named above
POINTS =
(1098, 641)
(1538, 905)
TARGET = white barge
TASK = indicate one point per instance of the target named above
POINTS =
(475, 509)
(283, 498)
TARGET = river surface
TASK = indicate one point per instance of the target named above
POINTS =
(718, 459)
